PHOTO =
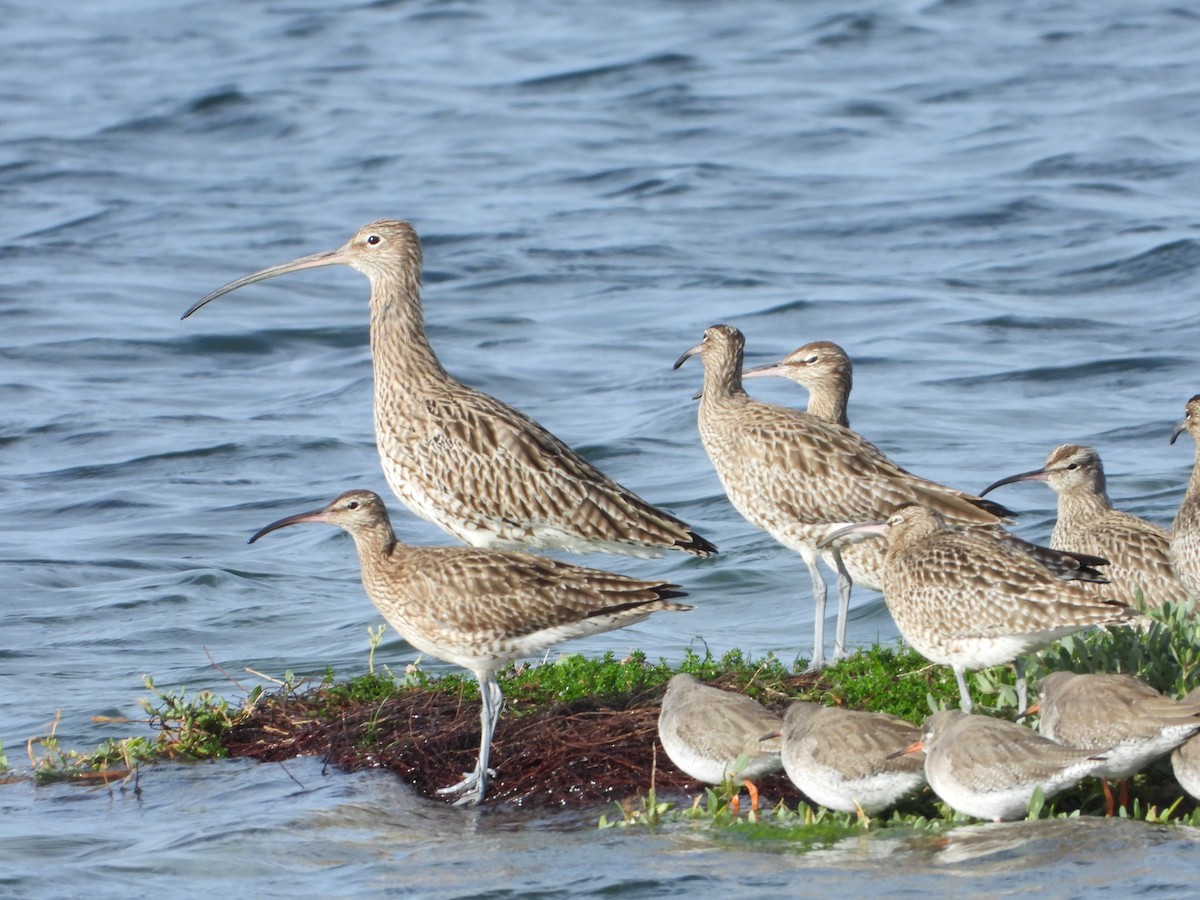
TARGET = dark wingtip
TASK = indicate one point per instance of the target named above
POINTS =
(698, 546)
(995, 509)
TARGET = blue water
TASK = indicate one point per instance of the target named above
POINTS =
(991, 206)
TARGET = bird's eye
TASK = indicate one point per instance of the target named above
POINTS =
(811, 360)
(1072, 467)
(373, 239)
(353, 504)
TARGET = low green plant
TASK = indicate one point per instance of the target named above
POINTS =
(1165, 651)
(375, 638)
(889, 678)
(648, 811)
(189, 727)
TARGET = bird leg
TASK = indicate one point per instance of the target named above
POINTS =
(1110, 808)
(1022, 687)
(845, 586)
(474, 784)
(819, 595)
(752, 790)
(964, 696)
(1109, 805)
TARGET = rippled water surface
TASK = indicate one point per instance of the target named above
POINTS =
(991, 206)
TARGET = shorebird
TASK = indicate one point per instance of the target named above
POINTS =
(847, 759)
(1185, 759)
(459, 458)
(825, 370)
(1120, 714)
(1185, 532)
(712, 735)
(796, 476)
(989, 768)
(968, 598)
(1138, 551)
(481, 609)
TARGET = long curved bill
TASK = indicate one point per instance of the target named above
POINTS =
(338, 257)
(1179, 429)
(1035, 475)
(864, 530)
(687, 355)
(316, 515)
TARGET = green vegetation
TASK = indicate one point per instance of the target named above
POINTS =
(188, 728)
(1166, 652)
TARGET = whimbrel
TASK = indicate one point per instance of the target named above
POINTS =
(478, 469)
(825, 370)
(481, 609)
(1132, 722)
(967, 598)
(989, 768)
(1185, 532)
(847, 759)
(1139, 552)
(708, 733)
(795, 476)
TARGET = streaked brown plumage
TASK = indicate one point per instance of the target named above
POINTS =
(989, 768)
(1138, 551)
(1120, 714)
(795, 475)
(481, 609)
(847, 759)
(475, 467)
(825, 370)
(1185, 531)
(705, 730)
(967, 598)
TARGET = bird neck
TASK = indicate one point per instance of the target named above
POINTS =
(376, 543)
(1083, 501)
(399, 346)
(722, 376)
(828, 399)
(1194, 484)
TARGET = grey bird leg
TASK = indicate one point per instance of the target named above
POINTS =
(964, 696)
(845, 586)
(819, 595)
(1022, 687)
(492, 699)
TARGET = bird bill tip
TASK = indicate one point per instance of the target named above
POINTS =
(914, 747)
(687, 354)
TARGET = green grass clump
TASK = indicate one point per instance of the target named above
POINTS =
(893, 679)
(189, 727)
(888, 678)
